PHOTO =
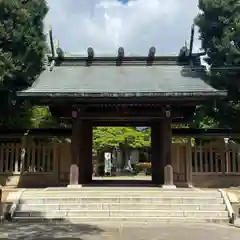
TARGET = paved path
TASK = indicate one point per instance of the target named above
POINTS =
(173, 231)
(237, 222)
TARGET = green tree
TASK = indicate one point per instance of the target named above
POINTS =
(30, 117)
(219, 24)
(128, 137)
(22, 50)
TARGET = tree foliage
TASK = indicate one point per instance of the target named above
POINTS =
(219, 24)
(22, 50)
(22, 42)
(109, 137)
(29, 117)
(128, 137)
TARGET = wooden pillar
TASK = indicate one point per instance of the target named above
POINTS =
(188, 167)
(81, 149)
(86, 151)
(167, 150)
(22, 154)
(156, 155)
(227, 163)
(225, 157)
(75, 141)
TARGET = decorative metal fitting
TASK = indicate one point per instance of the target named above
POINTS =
(168, 111)
(226, 140)
(14, 102)
(74, 113)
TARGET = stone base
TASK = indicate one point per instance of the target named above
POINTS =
(169, 187)
(74, 186)
(185, 185)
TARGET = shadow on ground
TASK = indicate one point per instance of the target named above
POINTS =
(48, 229)
(138, 231)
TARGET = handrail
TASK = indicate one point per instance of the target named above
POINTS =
(228, 204)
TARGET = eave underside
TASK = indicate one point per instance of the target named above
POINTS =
(59, 99)
(123, 114)
(134, 111)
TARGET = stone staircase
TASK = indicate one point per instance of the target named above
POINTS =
(104, 204)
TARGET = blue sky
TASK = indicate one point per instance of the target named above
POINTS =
(124, 1)
(136, 25)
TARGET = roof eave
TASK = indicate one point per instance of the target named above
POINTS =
(220, 93)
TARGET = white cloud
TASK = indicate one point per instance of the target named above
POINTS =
(107, 24)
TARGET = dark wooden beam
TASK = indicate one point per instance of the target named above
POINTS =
(66, 132)
(122, 112)
(132, 123)
(172, 100)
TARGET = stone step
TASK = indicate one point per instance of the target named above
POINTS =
(119, 220)
(122, 193)
(84, 195)
(121, 204)
(118, 206)
(149, 200)
(64, 214)
(119, 188)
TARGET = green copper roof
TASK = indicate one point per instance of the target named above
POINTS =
(163, 77)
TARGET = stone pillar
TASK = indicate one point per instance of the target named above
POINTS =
(75, 141)
(167, 150)
(157, 154)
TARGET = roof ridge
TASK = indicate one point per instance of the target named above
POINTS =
(124, 61)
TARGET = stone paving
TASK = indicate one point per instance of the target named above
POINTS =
(237, 222)
(125, 231)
